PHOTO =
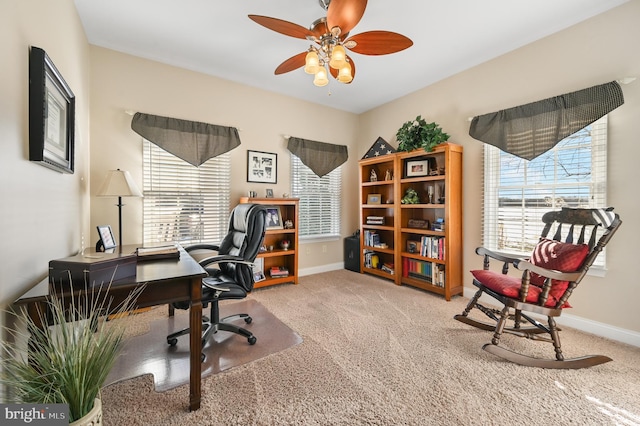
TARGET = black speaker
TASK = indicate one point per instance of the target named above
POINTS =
(352, 254)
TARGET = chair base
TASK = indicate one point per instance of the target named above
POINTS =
(209, 327)
(573, 363)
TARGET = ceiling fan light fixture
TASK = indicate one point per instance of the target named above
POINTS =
(321, 78)
(344, 74)
(338, 57)
(311, 62)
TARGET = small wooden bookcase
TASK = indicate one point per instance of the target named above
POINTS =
(275, 255)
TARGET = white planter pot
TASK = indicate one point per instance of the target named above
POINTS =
(93, 417)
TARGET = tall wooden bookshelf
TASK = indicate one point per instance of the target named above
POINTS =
(424, 239)
(289, 208)
(378, 205)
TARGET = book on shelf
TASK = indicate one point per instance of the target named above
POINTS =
(430, 272)
(388, 268)
(279, 271)
(375, 220)
(371, 238)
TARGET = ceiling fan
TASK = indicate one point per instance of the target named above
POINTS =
(331, 37)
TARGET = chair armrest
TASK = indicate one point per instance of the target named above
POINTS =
(224, 258)
(494, 255)
(214, 286)
(213, 247)
(524, 265)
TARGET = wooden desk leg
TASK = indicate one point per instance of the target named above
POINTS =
(195, 344)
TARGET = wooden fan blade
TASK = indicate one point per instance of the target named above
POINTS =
(345, 14)
(378, 43)
(283, 27)
(334, 72)
(291, 64)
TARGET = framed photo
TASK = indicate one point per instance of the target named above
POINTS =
(106, 237)
(52, 111)
(417, 168)
(274, 218)
(262, 167)
(269, 193)
(258, 269)
(374, 199)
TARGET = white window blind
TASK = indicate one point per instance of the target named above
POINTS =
(518, 192)
(320, 199)
(183, 203)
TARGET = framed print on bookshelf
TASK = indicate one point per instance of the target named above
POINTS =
(262, 167)
(274, 218)
(374, 199)
(417, 168)
(52, 111)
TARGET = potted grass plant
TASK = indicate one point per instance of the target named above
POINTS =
(68, 361)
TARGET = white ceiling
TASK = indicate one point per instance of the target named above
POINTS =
(216, 37)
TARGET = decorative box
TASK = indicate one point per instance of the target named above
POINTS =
(93, 269)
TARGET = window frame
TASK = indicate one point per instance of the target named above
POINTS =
(492, 186)
(299, 189)
(192, 183)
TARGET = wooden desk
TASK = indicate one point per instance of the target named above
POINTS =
(167, 281)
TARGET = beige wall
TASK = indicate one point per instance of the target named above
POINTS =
(597, 51)
(121, 82)
(44, 213)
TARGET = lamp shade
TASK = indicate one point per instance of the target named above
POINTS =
(119, 183)
(311, 62)
(344, 74)
(321, 78)
(338, 57)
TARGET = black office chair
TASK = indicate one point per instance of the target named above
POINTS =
(230, 271)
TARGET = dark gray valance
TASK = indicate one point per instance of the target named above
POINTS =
(192, 141)
(530, 130)
(320, 157)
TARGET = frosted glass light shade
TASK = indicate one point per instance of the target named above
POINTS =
(321, 77)
(344, 74)
(311, 63)
(338, 57)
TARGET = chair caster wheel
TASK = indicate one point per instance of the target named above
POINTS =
(248, 320)
(252, 340)
(202, 357)
(172, 342)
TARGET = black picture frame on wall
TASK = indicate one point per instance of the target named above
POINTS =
(262, 167)
(52, 111)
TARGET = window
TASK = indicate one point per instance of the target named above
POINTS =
(320, 199)
(183, 203)
(518, 192)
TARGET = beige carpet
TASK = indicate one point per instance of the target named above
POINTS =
(377, 354)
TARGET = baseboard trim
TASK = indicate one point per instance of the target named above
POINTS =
(583, 324)
(320, 269)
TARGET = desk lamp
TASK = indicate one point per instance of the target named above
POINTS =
(119, 183)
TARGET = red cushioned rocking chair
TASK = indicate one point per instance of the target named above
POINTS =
(549, 276)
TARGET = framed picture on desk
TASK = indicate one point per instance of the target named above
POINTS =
(107, 240)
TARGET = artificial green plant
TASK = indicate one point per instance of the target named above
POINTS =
(420, 134)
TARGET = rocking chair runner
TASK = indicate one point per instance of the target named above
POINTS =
(548, 279)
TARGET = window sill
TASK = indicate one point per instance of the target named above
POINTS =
(318, 239)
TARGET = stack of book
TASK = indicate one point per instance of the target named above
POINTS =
(375, 220)
(279, 271)
(388, 268)
(161, 252)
